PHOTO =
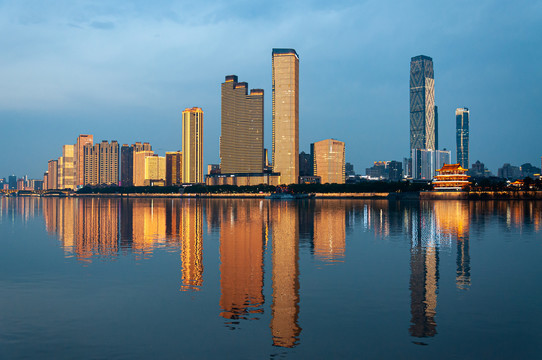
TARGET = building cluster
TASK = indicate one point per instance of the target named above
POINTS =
(107, 164)
(243, 159)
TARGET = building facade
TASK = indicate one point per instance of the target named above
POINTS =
(192, 140)
(139, 166)
(108, 163)
(82, 140)
(174, 168)
(329, 161)
(155, 170)
(462, 118)
(68, 167)
(52, 178)
(285, 95)
(423, 125)
(426, 162)
(241, 138)
(127, 161)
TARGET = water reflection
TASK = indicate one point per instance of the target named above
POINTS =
(250, 231)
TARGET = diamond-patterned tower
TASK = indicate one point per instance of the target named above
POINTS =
(423, 133)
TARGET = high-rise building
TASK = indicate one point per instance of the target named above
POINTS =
(192, 128)
(45, 180)
(306, 164)
(127, 161)
(12, 181)
(60, 173)
(52, 179)
(91, 169)
(82, 140)
(108, 163)
(241, 139)
(139, 166)
(462, 118)
(174, 168)
(423, 125)
(329, 161)
(67, 180)
(285, 91)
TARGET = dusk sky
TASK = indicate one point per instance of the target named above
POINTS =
(124, 70)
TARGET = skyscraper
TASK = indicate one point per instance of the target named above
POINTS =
(127, 161)
(423, 131)
(52, 179)
(192, 128)
(329, 161)
(462, 118)
(68, 167)
(82, 140)
(285, 88)
(241, 139)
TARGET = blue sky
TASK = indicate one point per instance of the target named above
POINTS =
(125, 70)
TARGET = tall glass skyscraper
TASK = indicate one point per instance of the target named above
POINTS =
(192, 127)
(423, 130)
(462, 116)
(286, 115)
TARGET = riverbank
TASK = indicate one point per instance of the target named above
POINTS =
(424, 195)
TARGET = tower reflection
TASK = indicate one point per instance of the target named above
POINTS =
(242, 232)
(284, 219)
(329, 231)
(192, 245)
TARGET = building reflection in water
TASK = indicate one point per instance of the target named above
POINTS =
(242, 232)
(329, 231)
(434, 225)
(192, 245)
(284, 219)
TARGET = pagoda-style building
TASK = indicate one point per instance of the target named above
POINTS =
(451, 177)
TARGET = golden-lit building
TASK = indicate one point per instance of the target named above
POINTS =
(284, 218)
(60, 173)
(329, 161)
(174, 168)
(91, 157)
(241, 259)
(329, 231)
(68, 167)
(139, 166)
(243, 179)
(192, 140)
(285, 141)
(155, 169)
(241, 138)
(451, 177)
(108, 163)
(52, 178)
(79, 153)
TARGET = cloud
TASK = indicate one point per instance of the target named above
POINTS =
(103, 25)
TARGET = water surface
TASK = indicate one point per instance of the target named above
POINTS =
(203, 278)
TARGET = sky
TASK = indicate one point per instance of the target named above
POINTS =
(125, 70)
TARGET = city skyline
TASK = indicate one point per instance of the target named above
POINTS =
(48, 93)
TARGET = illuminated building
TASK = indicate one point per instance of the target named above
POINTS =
(241, 260)
(462, 118)
(127, 161)
(155, 169)
(248, 179)
(174, 168)
(329, 161)
(192, 246)
(82, 140)
(45, 180)
(241, 138)
(285, 94)
(329, 231)
(284, 218)
(213, 169)
(68, 167)
(192, 140)
(423, 127)
(91, 156)
(451, 177)
(52, 178)
(108, 163)
(139, 166)
(12, 181)
(426, 162)
(60, 173)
